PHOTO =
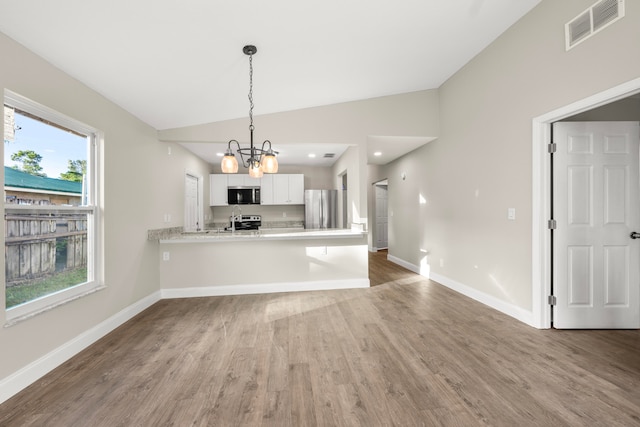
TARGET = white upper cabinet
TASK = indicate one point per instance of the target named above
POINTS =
(275, 189)
(296, 189)
(242, 180)
(266, 190)
(288, 189)
(218, 190)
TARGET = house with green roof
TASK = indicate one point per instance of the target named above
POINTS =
(26, 189)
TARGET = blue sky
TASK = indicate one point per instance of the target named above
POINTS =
(54, 145)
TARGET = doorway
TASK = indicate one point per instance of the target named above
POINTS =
(193, 213)
(381, 190)
(541, 316)
(345, 203)
(595, 208)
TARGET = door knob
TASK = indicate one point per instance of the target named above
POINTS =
(634, 235)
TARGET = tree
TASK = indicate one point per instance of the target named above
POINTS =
(77, 168)
(30, 162)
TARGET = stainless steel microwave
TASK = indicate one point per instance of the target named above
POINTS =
(243, 195)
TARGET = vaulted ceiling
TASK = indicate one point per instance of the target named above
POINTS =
(175, 64)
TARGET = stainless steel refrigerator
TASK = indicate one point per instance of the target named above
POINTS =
(320, 209)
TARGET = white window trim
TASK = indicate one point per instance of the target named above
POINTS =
(95, 261)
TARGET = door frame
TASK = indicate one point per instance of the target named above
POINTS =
(374, 227)
(199, 178)
(541, 193)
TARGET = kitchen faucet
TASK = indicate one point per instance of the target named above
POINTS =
(233, 217)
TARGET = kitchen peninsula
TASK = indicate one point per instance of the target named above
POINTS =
(214, 263)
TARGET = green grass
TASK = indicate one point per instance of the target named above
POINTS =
(16, 295)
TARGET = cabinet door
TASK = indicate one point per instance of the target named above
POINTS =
(218, 190)
(243, 180)
(296, 189)
(266, 189)
(280, 189)
(250, 181)
(235, 180)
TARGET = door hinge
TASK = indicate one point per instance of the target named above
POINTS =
(552, 300)
(552, 224)
(551, 148)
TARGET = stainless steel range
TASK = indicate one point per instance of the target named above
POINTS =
(245, 222)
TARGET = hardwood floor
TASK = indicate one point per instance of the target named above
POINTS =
(407, 352)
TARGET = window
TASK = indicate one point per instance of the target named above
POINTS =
(50, 207)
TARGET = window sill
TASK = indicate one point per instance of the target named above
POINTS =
(11, 321)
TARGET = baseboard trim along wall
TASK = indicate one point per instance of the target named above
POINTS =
(26, 376)
(269, 288)
(486, 299)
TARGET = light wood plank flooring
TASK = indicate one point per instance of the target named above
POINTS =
(407, 352)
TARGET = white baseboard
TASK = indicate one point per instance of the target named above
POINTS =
(405, 264)
(486, 299)
(268, 288)
(24, 377)
(509, 309)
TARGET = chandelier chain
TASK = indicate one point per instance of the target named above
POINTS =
(252, 157)
(251, 92)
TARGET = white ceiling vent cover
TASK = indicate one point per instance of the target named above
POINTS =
(592, 20)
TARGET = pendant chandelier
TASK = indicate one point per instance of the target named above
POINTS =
(258, 160)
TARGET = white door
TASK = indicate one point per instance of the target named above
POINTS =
(382, 220)
(191, 208)
(596, 206)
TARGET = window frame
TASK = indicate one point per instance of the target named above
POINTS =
(91, 208)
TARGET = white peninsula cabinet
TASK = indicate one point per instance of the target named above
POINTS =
(282, 189)
(218, 189)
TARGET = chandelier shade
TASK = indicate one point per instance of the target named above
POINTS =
(257, 160)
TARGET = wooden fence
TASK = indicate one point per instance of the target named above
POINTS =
(36, 242)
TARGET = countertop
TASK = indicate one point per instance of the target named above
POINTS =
(215, 236)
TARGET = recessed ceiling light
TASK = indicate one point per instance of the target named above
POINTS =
(377, 153)
(219, 154)
(312, 155)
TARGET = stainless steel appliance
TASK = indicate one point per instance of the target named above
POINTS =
(243, 195)
(320, 209)
(244, 222)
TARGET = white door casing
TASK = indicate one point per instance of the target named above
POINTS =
(596, 207)
(382, 220)
(192, 200)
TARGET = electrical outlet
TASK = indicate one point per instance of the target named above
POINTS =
(166, 256)
(284, 214)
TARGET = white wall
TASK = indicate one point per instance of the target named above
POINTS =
(141, 181)
(482, 162)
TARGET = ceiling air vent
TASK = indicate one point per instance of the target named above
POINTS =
(592, 20)
(329, 155)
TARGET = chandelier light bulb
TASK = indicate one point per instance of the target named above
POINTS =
(255, 169)
(269, 163)
(229, 163)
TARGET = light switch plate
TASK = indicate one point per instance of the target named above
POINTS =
(511, 214)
